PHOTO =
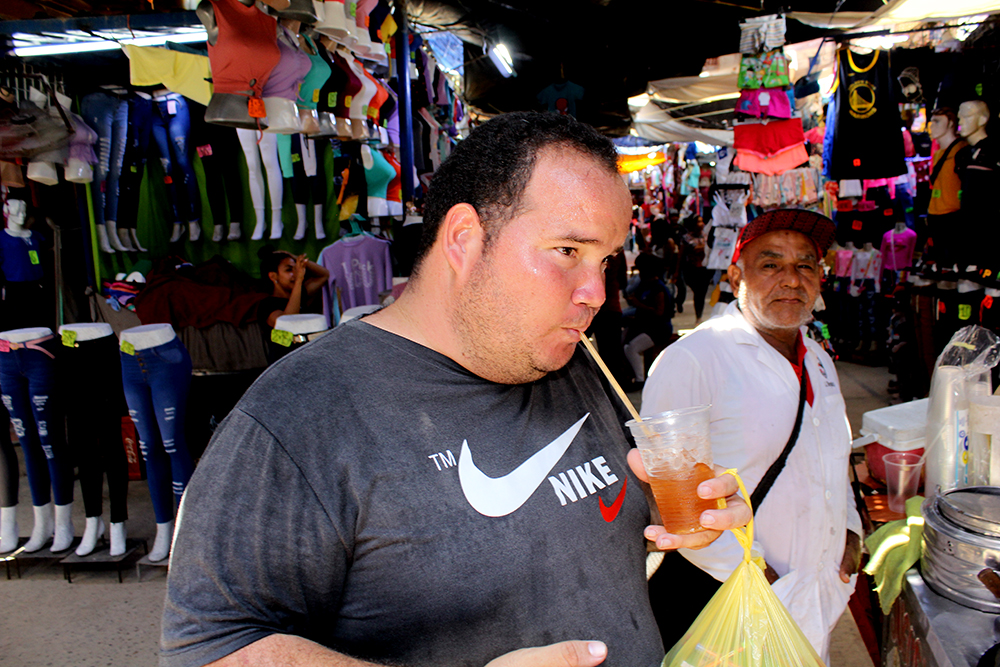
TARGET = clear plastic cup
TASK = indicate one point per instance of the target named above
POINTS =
(677, 455)
(902, 478)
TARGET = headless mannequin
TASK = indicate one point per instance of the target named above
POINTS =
(229, 108)
(341, 126)
(95, 524)
(142, 338)
(282, 113)
(257, 151)
(60, 530)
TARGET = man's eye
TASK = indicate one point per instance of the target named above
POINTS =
(569, 252)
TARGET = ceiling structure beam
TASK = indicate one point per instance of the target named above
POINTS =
(96, 23)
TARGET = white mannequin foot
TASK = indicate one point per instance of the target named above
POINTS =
(320, 231)
(8, 529)
(64, 528)
(117, 539)
(258, 231)
(217, 233)
(102, 239)
(41, 532)
(194, 230)
(177, 233)
(277, 227)
(161, 545)
(300, 230)
(93, 532)
(113, 239)
(126, 241)
(235, 231)
(135, 241)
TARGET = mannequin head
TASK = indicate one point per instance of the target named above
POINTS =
(278, 267)
(16, 212)
(943, 125)
(972, 119)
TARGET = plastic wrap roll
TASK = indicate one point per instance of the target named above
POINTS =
(947, 432)
(984, 427)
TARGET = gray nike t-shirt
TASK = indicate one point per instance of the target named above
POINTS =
(373, 496)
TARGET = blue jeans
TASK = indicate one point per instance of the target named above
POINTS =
(170, 132)
(108, 116)
(156, 382)
(28, 382)
(140, 128)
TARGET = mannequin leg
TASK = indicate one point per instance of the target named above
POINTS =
(140, 408)
(97, 109)
(170, 380)
(248, 140)
(228, 150)
(140, 127)
(318, 185)
(275, 183)
(119, 130)
(8, 486)
(162, 139)
(189, 198)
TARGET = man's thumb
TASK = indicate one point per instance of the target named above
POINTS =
(563, 654)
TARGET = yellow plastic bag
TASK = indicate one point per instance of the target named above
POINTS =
(744, 624)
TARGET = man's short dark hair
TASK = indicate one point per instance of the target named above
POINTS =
(491, 168)
(948, 113)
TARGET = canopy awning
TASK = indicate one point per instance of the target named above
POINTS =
(898, 12)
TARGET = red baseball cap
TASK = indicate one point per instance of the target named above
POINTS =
(819, 228)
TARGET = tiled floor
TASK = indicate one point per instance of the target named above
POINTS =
(95, 621)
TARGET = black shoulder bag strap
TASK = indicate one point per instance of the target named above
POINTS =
(940, 165)
(767, 481)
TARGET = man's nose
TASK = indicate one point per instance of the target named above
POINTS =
(590, 292)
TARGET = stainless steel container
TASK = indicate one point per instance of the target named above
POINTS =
(961, 538)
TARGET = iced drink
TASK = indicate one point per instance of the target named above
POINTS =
(677, 455)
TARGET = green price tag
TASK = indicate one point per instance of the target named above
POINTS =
(69, 338)
(33, 256)
(282, 338)
(936, 193)
(979, 90)
(331, 100)
(964, 311)
(825, 331)
(128, 348)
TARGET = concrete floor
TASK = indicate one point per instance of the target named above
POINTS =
(95, 621)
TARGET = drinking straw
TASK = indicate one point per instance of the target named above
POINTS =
(614, 383)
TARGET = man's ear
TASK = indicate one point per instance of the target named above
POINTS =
(735, 276)
(461, 238)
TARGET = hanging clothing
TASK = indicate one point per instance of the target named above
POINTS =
(360, 266)
(180, 72)
(291, 70)
(318, 75)
(867, 132)
(897, 249)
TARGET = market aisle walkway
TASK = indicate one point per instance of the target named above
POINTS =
(97, 622)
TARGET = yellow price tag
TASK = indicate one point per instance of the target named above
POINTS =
(282, 338)
(128, 348)
(315, 94)
(69, 338)
(964, 311)
(33, 256)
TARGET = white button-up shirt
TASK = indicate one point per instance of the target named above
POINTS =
(754, 393)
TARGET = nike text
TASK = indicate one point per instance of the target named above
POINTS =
(580, 482)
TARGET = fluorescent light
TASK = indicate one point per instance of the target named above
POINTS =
(108, 44)
(639, 100)
(501, 58)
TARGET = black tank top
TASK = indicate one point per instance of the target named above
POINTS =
(867, 132)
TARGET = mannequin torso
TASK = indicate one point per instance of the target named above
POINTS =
(148, 335)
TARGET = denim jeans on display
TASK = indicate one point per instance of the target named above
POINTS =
(171, 127)
(107, 114)
(156, 382)
(140, 129)
(28, 389)
(94, 422)
(9, 473)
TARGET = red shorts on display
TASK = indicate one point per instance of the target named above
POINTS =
(771, 102)
(767, 139)
(774, 164)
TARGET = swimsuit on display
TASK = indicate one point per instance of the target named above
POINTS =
(379, 175)
(319, 73)
(769, 70)
(764, 102)
(342, 108)
(246, 50)
(335, 83)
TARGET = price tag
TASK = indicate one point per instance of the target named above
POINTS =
(936, 193)
(347, 100)
(296, 157)
(282, 338)
(33, 256)
(69, 338)
(128, 348)
(856, 225)
(315, 94)
(857, 162)
(204, 151)
(331, 100)
(255, 107)
(964, 311)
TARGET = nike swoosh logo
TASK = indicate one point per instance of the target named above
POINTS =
(609, 513)
(500, 496)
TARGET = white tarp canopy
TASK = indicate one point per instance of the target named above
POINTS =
(653, 123)
(896, 12)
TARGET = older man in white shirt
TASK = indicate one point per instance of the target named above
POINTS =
(748, 364)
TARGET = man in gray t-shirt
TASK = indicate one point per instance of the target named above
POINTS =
(446, 481)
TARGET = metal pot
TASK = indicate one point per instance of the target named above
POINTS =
(961, 539)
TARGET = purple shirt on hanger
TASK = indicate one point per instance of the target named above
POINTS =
(361, 266)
